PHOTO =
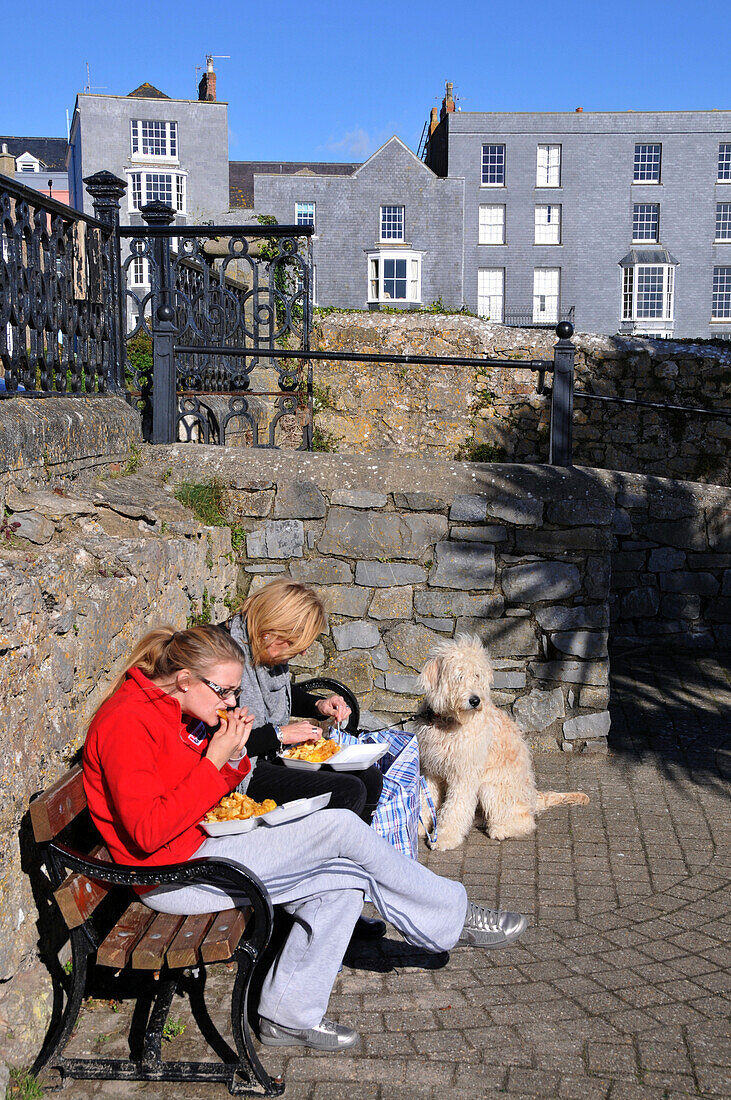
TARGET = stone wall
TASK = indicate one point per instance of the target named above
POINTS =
(449, 410)
(408, 552)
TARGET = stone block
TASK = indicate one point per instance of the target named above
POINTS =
(504, 680)
(726, 588)
(503, 637)
(595, 673)
(411, 644)
(358, 498)
(31, 526)
(537, 581)
(277, 539)
(715, 560)
(489, 533)
(269, 569)
(469, 508)
(419, 502)
(594, 698)
(621, 522)
(719, 610)
(681, 606)
(342, 599)
(299, 500)
(685, 535)
(241, 503)
(581, 511)
(587, 726)
(629, 560)
(666, 559)
(368, 534)
(667, 507)
(632, 500)
(312, 658)
(538, 709)
(527, 512)
(384, 574)
(321, 571)
(444, 625)
(454, 603)
(463, 565)
(401, 683)
(597, 576)
(597, 748)
(391, 603)
(581, 643)
(354, 669)
(380, 658)
(584, 617)
(719, 529)
(356, 635)
(640, 603)
(396, 704)
(542, 541)
(701, 584)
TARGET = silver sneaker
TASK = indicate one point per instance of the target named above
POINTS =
(326, 1036)
(490, 927)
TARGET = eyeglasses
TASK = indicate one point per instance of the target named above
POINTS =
(221, 692)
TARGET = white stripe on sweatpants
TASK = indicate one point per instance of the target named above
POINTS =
(319, 868)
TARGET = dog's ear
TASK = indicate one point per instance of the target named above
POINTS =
(429, 676)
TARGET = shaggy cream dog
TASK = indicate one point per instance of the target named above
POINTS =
(471, 752)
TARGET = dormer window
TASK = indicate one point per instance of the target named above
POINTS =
(27, 163)
(154, 140)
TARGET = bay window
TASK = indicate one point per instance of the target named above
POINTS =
(394, 276)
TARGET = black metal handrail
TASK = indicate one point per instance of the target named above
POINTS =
(663, 406)
(51, 205)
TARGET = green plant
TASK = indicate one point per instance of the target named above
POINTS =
(205, 500)
(166, 475)
(205, 615)
(172, 1029)
(132, 464)
(324, 441)
(238, 537)
(472, 451)
(102, 1039)
(23, 1086)
(139, 359)
(68, 966)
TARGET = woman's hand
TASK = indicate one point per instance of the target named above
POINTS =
(334, 707)
(229, 740)
(294, 733)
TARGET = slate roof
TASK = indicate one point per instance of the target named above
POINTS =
(241, 174)
(50, 151)
(147, 91)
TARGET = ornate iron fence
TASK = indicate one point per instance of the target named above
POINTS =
(58, 298)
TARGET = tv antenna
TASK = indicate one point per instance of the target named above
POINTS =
(88, 88)
(210, 58)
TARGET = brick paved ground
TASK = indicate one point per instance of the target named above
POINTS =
(618, 989)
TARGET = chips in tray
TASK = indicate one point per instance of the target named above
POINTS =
(239, 807)
(317, 753)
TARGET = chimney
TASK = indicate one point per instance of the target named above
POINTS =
(433, 121)
(448, 101)
(207, 86)
(579, 110)
(7, 162)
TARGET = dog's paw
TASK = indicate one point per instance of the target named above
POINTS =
(446, 842)
(511, 830)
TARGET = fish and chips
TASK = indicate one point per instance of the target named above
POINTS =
(239, 807)
(318, 752)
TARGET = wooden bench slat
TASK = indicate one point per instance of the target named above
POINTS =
(117, 948)
(57, 807)
(224, 935)
(183, 951)
(150, 950)
(78, 896)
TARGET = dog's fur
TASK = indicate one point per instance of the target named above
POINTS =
(471, 752)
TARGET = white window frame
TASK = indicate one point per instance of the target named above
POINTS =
(548, 166)
(723, 221)
(721, 293)
(491, 223)
(491, 293)
(633, 286)
(724, 162)
(302, 212)
(546, 299)
(391, 223)
(547, 223)
(645, 159)
(26, 162)
(178, 189)
(640, 216)
(168, 137)
(139, 271)
(377, 277)
(489, 167)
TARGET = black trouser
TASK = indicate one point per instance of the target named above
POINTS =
(356, 791)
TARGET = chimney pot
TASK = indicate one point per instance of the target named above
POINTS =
(448, 101)
(579, 110)
(207, 86)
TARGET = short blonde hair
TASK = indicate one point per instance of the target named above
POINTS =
(288, 609)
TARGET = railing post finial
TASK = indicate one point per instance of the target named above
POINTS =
(106, 190)
(562, 397)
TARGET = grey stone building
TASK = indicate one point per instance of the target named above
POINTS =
(174, 150)
(37, 162)
(625, 216)
(388, 233)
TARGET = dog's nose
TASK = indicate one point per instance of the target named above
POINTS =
(474, 701)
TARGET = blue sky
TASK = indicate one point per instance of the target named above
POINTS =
(332, 81)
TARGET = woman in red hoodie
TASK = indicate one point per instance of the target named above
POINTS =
(151, 772)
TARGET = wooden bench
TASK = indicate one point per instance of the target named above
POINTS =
(159, 946)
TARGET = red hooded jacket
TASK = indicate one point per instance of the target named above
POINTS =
(147, 781)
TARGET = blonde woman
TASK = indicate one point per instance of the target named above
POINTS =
(152, 770)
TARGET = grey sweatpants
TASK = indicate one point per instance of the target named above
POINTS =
(319, 869)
